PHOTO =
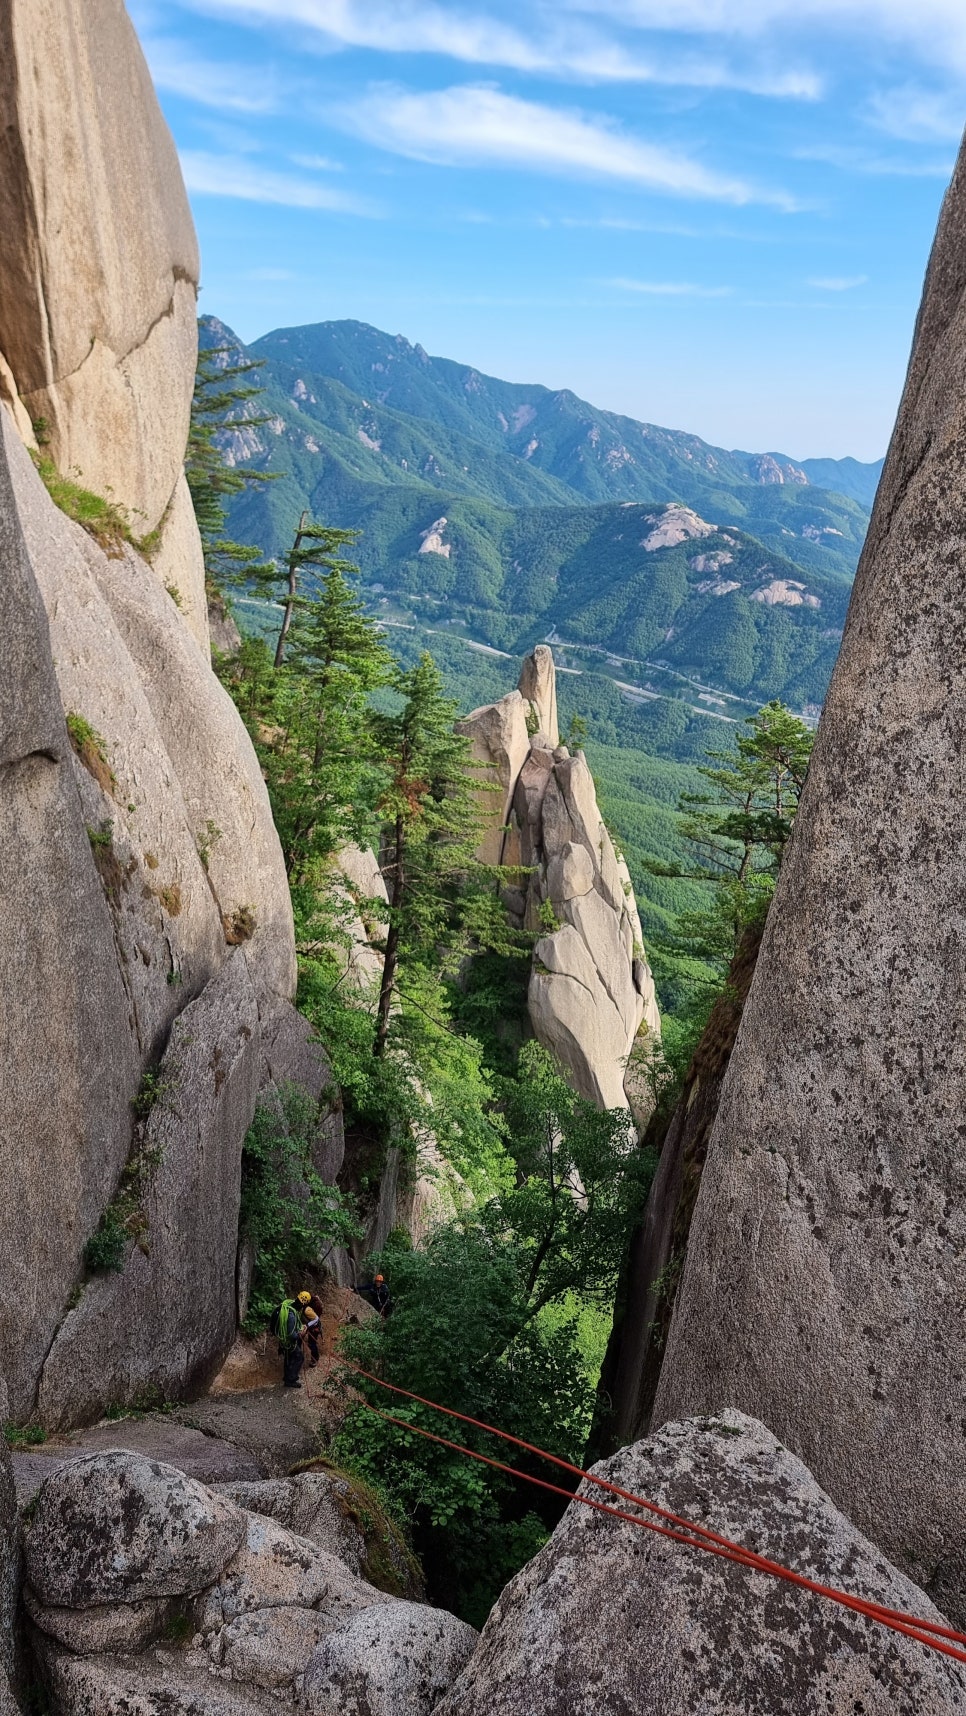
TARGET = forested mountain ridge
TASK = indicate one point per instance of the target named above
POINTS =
(353, 411)
(603, 455)
(492, 508)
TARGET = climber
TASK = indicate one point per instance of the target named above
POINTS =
(287, 1324)
(381, 1296)
(312, 1331)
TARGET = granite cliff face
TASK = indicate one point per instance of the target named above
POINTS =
(147, 928)
(591, 989)
(825, 1283)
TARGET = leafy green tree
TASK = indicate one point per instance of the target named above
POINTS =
(291, 1216)
(579, 1183)
(219, 391)
(487, 1320)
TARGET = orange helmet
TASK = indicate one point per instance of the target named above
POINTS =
(380, 1278)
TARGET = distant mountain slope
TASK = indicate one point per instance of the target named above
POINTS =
(510, 512)
(846, 476)
(599, 455)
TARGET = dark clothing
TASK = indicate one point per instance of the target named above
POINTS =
(294, 1358)
(290, 1346)
(313, 1334)
(381, 1298)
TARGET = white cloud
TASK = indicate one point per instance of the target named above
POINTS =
(212, 84)
(668, 288)
(850, 158)
(917, 115)
(567, 48)
(226, 176)
(934, 29)
(318, 163)
(475, 124)
(838, 282)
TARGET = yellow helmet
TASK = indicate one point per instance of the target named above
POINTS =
(304, 1298)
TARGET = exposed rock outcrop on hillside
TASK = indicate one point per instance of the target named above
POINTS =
(825, 1284)
(147, 927)
(610, 1617)
(148, 1592)
(591, 988)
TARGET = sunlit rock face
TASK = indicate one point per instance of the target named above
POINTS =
(147, 926)
(591, 992)
(99, 263)
(825, 1284)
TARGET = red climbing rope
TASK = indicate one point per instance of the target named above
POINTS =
(932, 1634)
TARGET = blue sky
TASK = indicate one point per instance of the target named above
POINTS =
(709, 214)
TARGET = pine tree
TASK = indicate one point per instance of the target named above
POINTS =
(326, 770)
(219, 389)
(738, 831)
(441, 900)
(311, 723)
(315, 548)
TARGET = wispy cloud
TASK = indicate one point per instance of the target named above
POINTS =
(854, 158)
(226, 176)
(914, 114)
(227, 88)
(838, 282)
(476, 124)
(934, 29)
(567, 48)
(668, 288)
(318, 163)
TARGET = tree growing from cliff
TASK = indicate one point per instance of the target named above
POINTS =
(442, 901)
(220, 390)
(738, 831)
(316, 548)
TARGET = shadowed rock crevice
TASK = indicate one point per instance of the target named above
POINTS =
(658, 1248)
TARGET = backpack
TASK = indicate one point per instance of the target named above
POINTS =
(278, 1320)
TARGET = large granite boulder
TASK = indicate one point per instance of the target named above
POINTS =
(538, 687)
(825, 1283)
(610, 1617)
(163, 1322)
(499, 743)
(9, 1574)
(117, 1527)
(314, 1505)
(397, 1660)
(99, 262)
(149, 1593)
(69, 1060)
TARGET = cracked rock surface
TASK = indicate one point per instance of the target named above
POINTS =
(612, 1618)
